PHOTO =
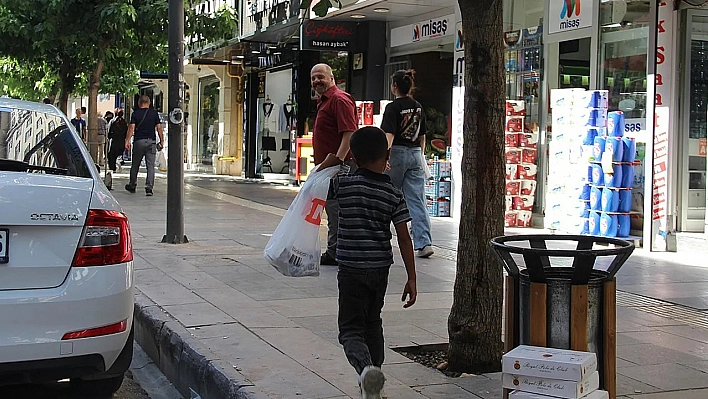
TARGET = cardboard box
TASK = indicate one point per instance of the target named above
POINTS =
(528, 395)
(552, 387)
(552, 363)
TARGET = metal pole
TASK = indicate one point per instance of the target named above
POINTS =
(175, 94)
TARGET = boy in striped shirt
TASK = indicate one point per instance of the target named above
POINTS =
(368, 204)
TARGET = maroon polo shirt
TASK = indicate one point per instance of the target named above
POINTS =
(336, 114)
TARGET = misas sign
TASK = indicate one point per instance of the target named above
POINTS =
(567, 15)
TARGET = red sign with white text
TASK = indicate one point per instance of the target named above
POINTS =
(662, 124)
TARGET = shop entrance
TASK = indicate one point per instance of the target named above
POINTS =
(209, 90)
(574, 64)
(695, 123)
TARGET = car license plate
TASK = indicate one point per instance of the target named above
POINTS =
(4, 233)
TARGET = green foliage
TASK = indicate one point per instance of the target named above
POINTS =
(210, 29)
(320, 9)
(27, 81)
(67, 40)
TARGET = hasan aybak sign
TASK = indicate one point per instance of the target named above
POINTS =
(325, 35)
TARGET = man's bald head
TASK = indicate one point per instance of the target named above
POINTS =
(321, 78)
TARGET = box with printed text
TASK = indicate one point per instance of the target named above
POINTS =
(553, 363)
(552, 387)
(528, 395)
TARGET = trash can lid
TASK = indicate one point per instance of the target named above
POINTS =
(537, 254)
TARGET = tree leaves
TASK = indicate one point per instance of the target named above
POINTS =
(73, 35)
(321, 8)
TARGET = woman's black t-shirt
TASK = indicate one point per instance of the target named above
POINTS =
(405, 119)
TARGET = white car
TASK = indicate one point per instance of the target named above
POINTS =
(66, 257)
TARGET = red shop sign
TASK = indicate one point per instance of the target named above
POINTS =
(325, 35)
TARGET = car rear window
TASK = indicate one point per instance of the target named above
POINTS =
(43, 140)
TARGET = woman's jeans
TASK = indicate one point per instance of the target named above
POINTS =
(408, 175)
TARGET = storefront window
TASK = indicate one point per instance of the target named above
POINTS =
(209, 121)
(624, 37)
(339, 61)
(523, 55)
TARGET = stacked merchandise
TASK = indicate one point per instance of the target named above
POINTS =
(612, 178)
(521, 149)
(545, 373)
(365, 113)
(578, 117)
(438, 189)
(591, 178)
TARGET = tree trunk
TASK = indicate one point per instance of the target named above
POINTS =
(92, 117)
(475, 321)
(63, 102)
(67, 82)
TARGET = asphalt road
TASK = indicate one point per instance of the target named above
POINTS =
(62, 390)
(142, 376)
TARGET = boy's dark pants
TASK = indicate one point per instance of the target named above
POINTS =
(361, 298)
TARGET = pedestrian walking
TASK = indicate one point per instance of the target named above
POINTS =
(116, 139)
(334, 124)
(143, 124)
(404, 124)
(368, 204)
(80, 125)
(102, 134)
(108, 116)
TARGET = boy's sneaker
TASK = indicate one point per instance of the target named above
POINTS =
(148, 192)
(130, 188)
(425, 252)
(371, 382)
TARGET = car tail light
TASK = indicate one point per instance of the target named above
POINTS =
(105, 241)
(98, 331)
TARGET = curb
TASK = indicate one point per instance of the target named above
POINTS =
(190, 366)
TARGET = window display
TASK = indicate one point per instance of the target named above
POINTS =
(522, 63)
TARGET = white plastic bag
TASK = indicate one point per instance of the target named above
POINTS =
(294, 247)
(161, 161)
(426, 168)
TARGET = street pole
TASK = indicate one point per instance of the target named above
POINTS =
(175, 151)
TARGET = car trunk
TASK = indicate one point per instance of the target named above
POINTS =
(44, 217)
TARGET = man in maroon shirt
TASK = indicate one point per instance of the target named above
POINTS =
(334, 124)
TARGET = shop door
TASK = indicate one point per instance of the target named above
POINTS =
(695, 123)
(208, 120)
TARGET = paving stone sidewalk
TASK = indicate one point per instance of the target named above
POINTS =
(271, 336)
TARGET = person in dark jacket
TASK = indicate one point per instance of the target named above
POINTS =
(116, 135)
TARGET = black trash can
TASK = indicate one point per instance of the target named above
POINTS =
(561, 293)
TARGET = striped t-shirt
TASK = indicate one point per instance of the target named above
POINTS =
(368, 203)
